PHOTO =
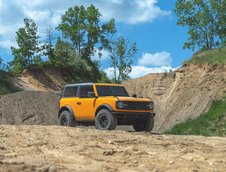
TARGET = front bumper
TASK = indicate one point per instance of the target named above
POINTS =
(129, 118)
(134, 114)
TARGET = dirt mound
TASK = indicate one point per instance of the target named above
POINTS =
(29, 107)
(183, 94)
(40, 79)
(55, 148)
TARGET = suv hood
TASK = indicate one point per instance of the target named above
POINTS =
(133, 99)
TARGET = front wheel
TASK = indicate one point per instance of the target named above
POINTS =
(66, 119)
(105, 120)
(146, 124)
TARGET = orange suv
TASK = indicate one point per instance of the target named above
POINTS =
(105, 105)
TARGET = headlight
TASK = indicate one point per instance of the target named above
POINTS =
(151, 105)
(120, 105)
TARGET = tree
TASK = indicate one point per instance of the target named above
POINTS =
(104, 78)
(76, 68)
(28, 47)
(122, 54)
(83, 30)
(1, 63)
(48, 47)
(222, 23)
(204, 19)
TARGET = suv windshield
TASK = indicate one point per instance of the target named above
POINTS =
(111, 91)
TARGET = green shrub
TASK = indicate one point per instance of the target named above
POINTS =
(215, 56)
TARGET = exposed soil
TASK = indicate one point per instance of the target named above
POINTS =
(180, 95)
(40, 79)
(55, 148)
(29, 107)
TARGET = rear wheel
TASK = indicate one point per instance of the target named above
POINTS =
(146, 124)
(105, 120)
(67, 119)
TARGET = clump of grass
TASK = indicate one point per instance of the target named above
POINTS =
(215, 56)
(212, 123)
(6, 84)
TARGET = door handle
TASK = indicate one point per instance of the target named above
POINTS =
(79, 103)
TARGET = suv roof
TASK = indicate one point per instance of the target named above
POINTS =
(90, 83)
(79, 84)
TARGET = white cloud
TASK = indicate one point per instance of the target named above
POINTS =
(48, 13)
(139, 71)
(132, 12)
(157, 59)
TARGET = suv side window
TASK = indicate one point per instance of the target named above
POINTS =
(70, 91)
(83, 91)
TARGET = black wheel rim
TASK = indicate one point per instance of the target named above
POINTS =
(64, 121)
(103, 121)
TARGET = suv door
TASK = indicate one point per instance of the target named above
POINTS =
(70, 96)
(85, 105)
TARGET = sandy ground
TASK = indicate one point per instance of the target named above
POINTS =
(55, 148)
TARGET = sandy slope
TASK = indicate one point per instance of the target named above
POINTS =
(182, 94)
(54, 148)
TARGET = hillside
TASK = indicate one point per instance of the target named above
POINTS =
(7, 84)
(182, 94)
(179, 96)
(54, 148)
(215, 56)
(212, 123)
(41, 79)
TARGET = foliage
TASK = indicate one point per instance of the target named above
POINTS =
(3, 66)
(83, 30)
(122, 54)
(28, 47)
(215, 56)
(6, 84)
(67, 59)
(1, 62)
(104, 78)
(205, 20)
(48, 47)
(212, 123)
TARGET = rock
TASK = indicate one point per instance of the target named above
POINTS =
(109, 152)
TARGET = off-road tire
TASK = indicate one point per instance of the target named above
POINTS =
(67, 119)
(105, 120)
(146, 124)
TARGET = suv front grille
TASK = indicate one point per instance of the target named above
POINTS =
(136, 106)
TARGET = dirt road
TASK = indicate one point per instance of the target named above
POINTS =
(55, 148)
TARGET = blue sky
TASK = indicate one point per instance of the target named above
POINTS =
(149, 23)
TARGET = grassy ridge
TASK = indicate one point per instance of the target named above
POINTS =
(6, 84)
(212, 123)
(215, 56)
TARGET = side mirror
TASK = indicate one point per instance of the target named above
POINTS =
(91, 95)
(134, 95)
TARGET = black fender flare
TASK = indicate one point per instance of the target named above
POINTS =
(104, 106)
(67, 108)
